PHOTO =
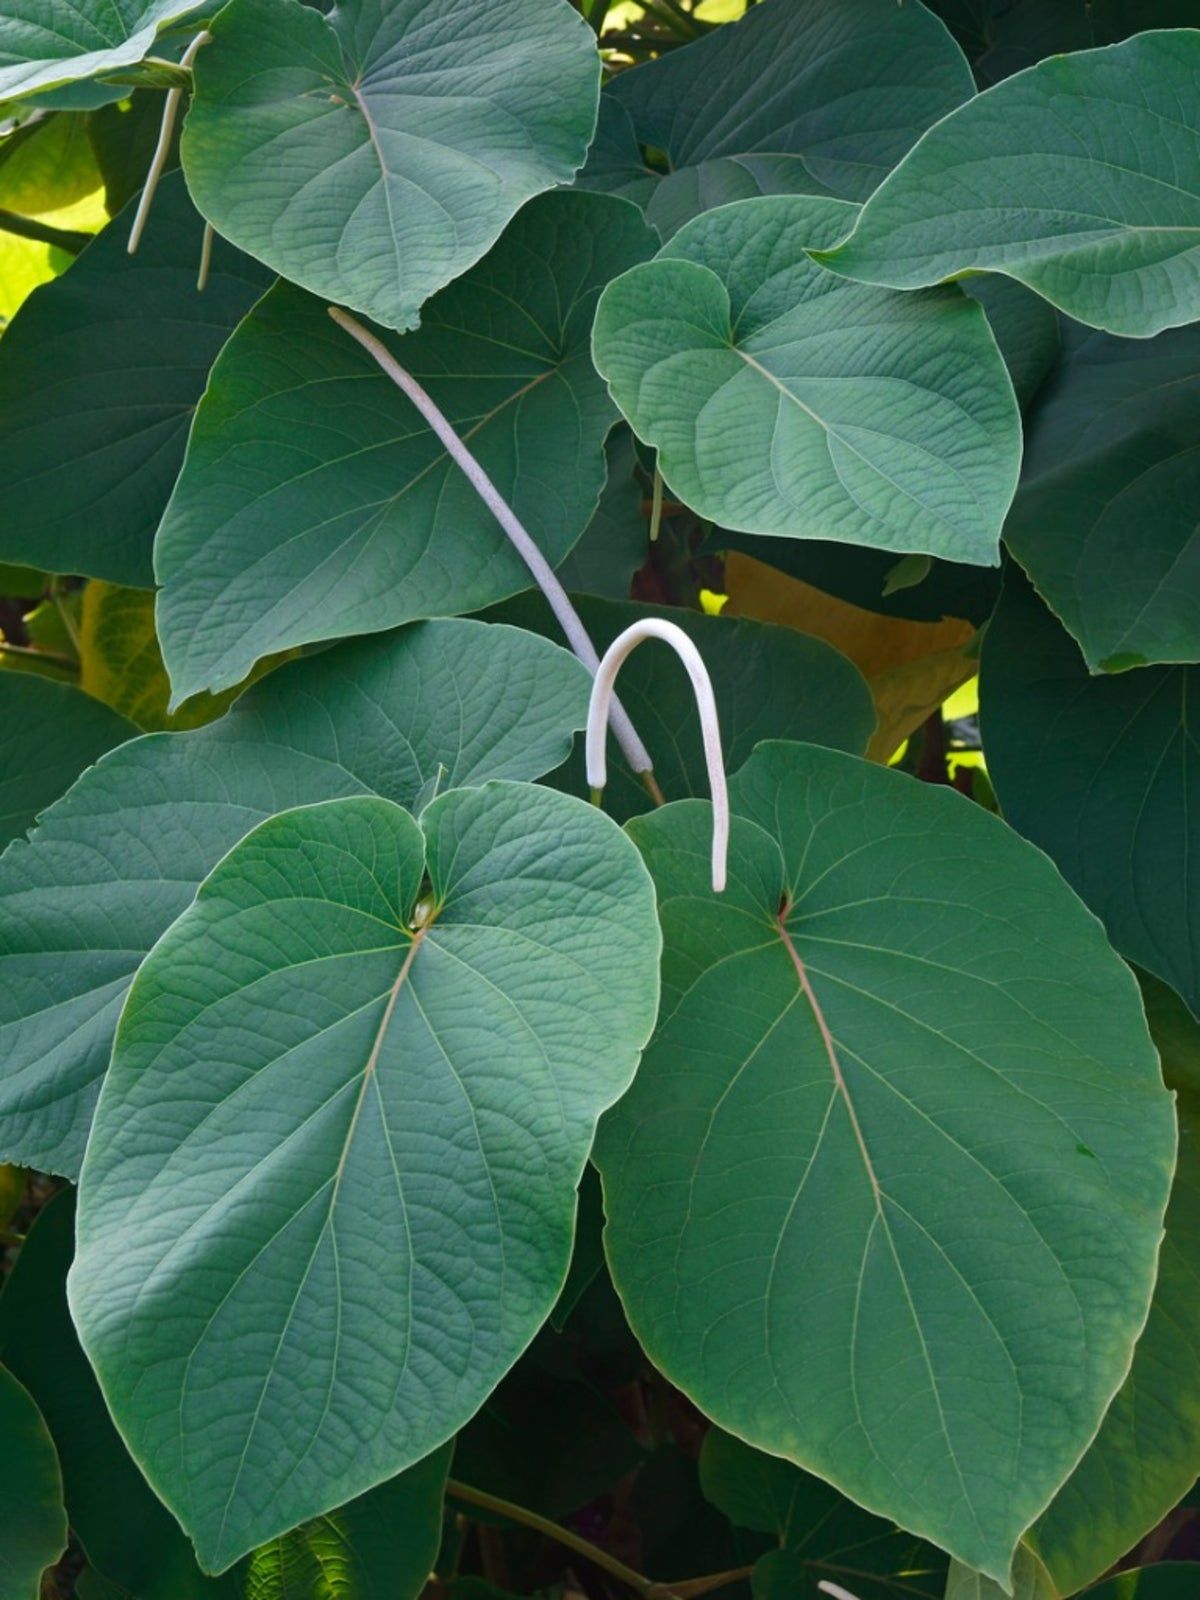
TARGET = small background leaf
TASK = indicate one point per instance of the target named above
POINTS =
(1101, 774)
(52, 732)
(910, 667)
(1105, 519)
(35, 1525)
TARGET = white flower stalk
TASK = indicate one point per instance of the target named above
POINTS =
(163, 147)
(836, 1590)
(521, 540)
(706, 705)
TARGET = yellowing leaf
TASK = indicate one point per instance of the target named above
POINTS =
(910, 667)
(26, 263)
(122, 665)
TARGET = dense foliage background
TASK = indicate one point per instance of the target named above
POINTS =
(421, 1177)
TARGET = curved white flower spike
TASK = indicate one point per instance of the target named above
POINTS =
(597, 723)
(163, 148)
(836, 1590)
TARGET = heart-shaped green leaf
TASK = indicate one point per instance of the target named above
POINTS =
(1102, 774)
(51, 733)
(1167, 1580)
(784, 401)
(46, 42)
(438, 705)
(1143, 1460)
(99, 375)
(35, 1524)
(819, 98)
(375, 153)
(1079, 177)
(887, 1194)
(352, 1094)
(315, 502)
(1105, 519)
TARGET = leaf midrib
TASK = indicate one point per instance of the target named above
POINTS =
(842, 1089)
(368, 1079)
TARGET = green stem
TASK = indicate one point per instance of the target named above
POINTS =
(673, 16)
(34, 653)
(691, 1588)
(637, 1581)
(64, 615)
(43, 233)
(656, 507)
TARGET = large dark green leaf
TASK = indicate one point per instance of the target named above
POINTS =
(124, 1529)
(437, 705)
(375, 153)
(47, 42)
(379, 1547)
(822, 1534)
(1105, 519)
(99, 375)
(1173, 1580)
(783, 400)
(769, 683)
(352, 1094)
(1101, 773)
(51, 733)
(615, 542)
(887, 1194)
(1005, 36)
(1147, 1454)
(1117, 19)
(546, 1440)
(1026, 329)
(807, 96)
(1078, 177)
(615, 164)
(315, 502)
(35, 1525)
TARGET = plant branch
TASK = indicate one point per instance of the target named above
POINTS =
(43, 233)
(36, 653)
(673, 16)
(206, 250)
(64, 615)
(692, 1588)
(163, 148)
(637, 1581)
(706, 706)
(543, 573)
(656, 507)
